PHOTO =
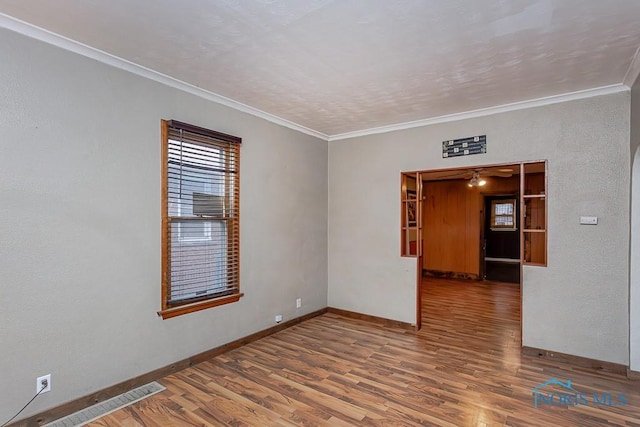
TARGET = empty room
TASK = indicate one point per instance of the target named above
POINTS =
(319, 212)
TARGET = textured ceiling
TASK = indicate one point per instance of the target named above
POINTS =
(338, 66)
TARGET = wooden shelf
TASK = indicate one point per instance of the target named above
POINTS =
(534, 213)
(410, 227)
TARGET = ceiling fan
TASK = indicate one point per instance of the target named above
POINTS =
(476, 180)
(477, 176)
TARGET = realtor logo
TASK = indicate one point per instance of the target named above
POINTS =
(557, 393)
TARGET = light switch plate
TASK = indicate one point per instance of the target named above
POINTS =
(589, 220)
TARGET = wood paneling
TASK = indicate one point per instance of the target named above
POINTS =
(497, 185)
(451, 228)
(464, 368)
(534, 182)
(452, 222)
(534, 248)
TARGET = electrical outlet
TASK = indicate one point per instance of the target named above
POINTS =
(43, 381)
(299, 303)
(278, 318)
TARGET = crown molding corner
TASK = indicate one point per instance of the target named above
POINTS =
(68, 44)
(46, 36)
(521, 105)
(634, 70)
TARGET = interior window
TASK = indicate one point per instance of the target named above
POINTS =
(200, 219)
(503, 214)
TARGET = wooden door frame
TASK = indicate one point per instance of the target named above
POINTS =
(419, 249)
(419, 207)
(483, 219)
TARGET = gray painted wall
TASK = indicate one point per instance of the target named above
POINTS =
(576, 305)
(634, 303)
(79, 243)
(80, 225)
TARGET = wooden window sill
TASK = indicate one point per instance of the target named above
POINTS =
(197, 306)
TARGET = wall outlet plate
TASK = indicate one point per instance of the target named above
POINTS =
(299, 303)
(278, 318)
(39, 381)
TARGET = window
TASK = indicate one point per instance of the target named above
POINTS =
(503, 214)
(200, 218)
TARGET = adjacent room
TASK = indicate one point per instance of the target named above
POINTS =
(319, 212)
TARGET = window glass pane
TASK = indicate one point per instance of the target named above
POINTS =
(504, 220)
(198, 264)
(503, 213)
(195, 184)
(504, 209)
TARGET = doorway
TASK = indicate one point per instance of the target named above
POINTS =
(500, 240)
(455, 229)
(449, 207)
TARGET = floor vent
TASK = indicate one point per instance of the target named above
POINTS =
(101, 409)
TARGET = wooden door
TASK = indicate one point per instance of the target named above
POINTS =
(502, 238)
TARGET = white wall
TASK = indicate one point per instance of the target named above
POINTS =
(576, 305)
(366, 273)
(80, 225)
(634, 302)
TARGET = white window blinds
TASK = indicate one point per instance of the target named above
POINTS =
(201, 214)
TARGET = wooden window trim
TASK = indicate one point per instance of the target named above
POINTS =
(197, 306)
(172, 310)
(202, 131)
(497, 227)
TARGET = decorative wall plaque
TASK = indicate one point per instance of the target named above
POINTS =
(464, 146)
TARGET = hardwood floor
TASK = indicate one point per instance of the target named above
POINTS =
(464, 368)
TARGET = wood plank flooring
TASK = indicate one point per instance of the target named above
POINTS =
(464, 368)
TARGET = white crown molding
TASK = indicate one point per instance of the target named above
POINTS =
(633, 71)
(555, 99)
(62, 42)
